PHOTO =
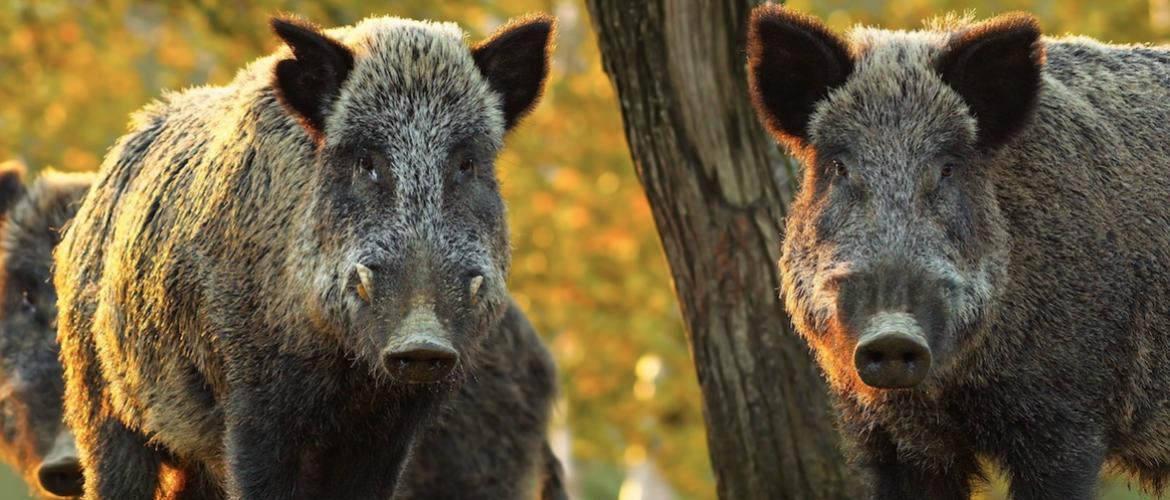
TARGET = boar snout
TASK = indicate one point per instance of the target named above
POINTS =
(421, 353)
(62, 477)
(60, 473)
(421, 361)
(892, 353)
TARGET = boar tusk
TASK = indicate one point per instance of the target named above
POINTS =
(475, 283)
(365, 283)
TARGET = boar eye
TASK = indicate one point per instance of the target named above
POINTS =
(467, 166)
(467, 170)
(366, 165)
(369, 164)
(27, 304)
(839, 168)
(947, 170)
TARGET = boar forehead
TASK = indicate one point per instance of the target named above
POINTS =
(894, 112)
(416, 87)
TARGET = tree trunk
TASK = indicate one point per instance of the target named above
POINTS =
(719, 188)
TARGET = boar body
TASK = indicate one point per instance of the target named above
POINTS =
(274, 285)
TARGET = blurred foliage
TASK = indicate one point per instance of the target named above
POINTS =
(588, 268)
(11, 485)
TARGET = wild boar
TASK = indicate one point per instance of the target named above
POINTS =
(33, 437)
(489, 443)
(979, 254)
(277, 282)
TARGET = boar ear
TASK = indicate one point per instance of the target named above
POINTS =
(11, 187)
(309, 82)
(515, 61)
(996, 67)
(793, 62)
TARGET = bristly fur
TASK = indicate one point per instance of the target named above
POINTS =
(950, 22)
(213, 267)
(1009, 193)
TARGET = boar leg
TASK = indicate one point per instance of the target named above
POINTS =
(899, 481)
(1063, 468)
(121, 464)
(118, 463)
(891, 478)
(365, 471)
(369, 466)
(262, 462)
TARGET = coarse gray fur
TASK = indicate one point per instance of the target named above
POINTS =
(1024, 222)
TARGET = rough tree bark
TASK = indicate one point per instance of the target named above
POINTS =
(719, 187)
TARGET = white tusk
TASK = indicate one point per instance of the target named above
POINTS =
(475, 283)
(366, 282)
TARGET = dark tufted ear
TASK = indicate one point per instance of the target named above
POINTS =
(793, 62)
(11, 187)
(996, 67)
(515, 61)
(309, 83)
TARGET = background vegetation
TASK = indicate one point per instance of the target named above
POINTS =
(588, 265)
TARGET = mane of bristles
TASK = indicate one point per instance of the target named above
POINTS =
(950, 21)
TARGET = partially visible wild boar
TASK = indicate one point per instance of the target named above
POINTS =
(33, 437)
(278, 282)
(979, 254)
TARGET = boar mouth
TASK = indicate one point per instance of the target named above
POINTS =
(892, 352)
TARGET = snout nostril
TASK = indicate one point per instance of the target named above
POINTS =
(422, 364)
(873, 357)
(62, 478)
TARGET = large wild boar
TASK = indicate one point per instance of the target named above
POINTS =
(33, 437)
(979, 254)
(489, 442)
(277, 282)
